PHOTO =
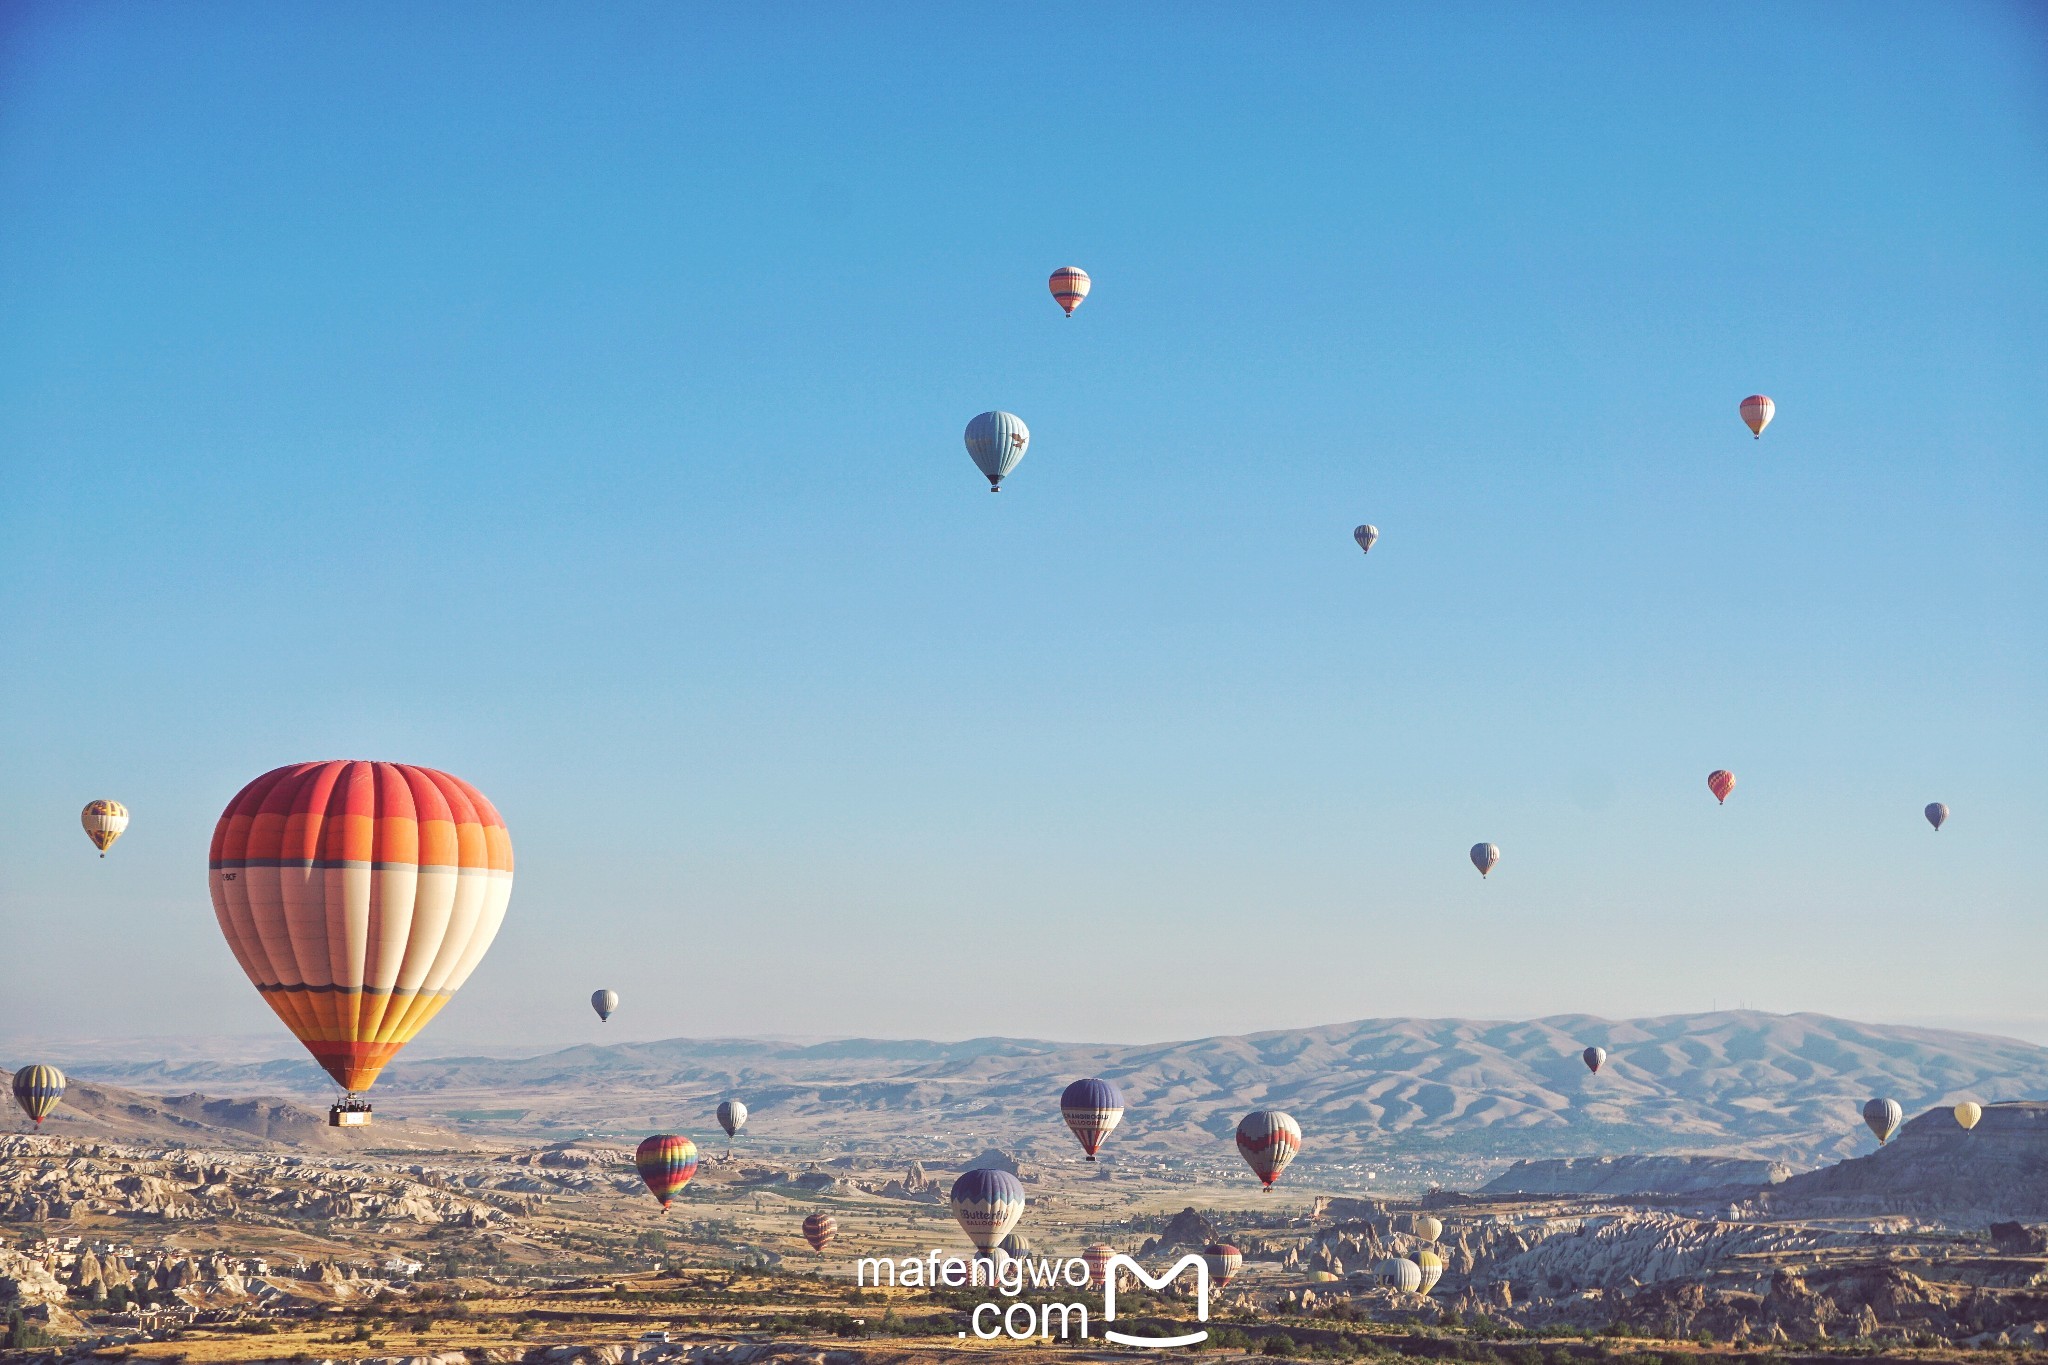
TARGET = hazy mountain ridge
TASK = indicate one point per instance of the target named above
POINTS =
(1787, 1087)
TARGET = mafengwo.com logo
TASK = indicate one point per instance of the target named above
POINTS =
(1028, 1318)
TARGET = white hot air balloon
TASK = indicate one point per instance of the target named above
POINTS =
(997, 441)
(604, 1002)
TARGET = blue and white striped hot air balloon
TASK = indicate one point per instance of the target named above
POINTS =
(997, 440)
(987, 1205)
(1092, 1108)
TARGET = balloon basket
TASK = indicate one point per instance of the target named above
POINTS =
(349, 1114)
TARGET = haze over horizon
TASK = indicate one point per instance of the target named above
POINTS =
(554, 398)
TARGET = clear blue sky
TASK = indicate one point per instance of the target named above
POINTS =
(570, 396)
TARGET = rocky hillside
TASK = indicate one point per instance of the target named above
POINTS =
(1932, 1169)
(1633, 1175)
(1785, 1087)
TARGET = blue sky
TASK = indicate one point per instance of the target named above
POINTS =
(571, 397)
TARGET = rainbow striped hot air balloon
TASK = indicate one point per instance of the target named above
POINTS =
(1268, 1139)
(1069, 285)
(987, 1204)
(37, 1090)
(1223, 1261)
(820, 1229)
(666, 1162)
(1092, 1108)
(359, 897)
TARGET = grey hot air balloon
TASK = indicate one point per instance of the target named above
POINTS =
(1366, 536)
(1937, 815)
(1484, 856)
(604, 1002)
(1428, 1227)
(1594, 1057)
(1883, 1116)
(997, 440)
(732, 1116)
(1401, 1273)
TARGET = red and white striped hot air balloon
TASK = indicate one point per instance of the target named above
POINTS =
(1069, 285)
(1268, 1140)
(1096, 1257)
(1757, 412)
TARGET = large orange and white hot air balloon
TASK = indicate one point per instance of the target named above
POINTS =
(1757, 412)
(359, 897)
(1069, 285)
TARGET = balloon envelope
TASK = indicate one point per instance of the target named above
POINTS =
(666, 1162)
(1757, 412)
(732, 1116)
(1092, 1108)
(604, 1002)
(1937, 814)
(1069, 284)
(1484, 856)
(987, 1204)
(1428, 1227)
(1366, 536)
(1431, 1264)
(358, 897)
(1720, 782)
(1883, 1116)
(1967, 1114)
(1223, 1261)
(1096, 1258)
(1268, 1140)
(1401, 1273)
(103, 821)
(996, 441)
(820, 1229)
(37, 1090)
(1593, 1057)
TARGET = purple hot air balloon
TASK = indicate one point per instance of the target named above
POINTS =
(1092, 1108)
(987, 1205)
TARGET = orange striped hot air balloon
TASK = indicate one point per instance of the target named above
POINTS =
(359, 897)
(1069, 285)
(1720, 782)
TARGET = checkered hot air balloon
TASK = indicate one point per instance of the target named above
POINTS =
(987, 1204)
(103, 821)
(1069, 285)
(666, 1162)
(1223, 1261)
(1720, 782)
(358, 897)
(1268, 1140)
(37, 1090)
(820, 1229)
(1092, 1108)
(1757, 412)
(996, 441)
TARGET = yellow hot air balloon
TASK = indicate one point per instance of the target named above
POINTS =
(1428, 1227)
(358, 897)
(103, 821)
(1431, 1264)
(1967, 1114)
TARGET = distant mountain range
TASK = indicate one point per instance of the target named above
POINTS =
(1784, 1087)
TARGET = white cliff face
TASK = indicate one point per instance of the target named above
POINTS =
(1636, 1175)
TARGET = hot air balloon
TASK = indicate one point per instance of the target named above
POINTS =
(604, 1002)
(732, 1116)
(359, 897)
(1593, 1057)
(1092, 1108)
(103, 821)
(1757, 412)
(820, 1229)
(1268, 1139)
(1428, 1227)
(37, 1090)
(1431, 1264)
(1937, 815)
(1883, 1116)
(1015, 1246)
(1367, 537)
(1484, 856)
(666, 1163)
(1967, 1113)
(1400, 1273)
(1096, 1258)
(987, 1205)
(997, 440)
(1223, 1261)
(1069, 284)
(1720, 782)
